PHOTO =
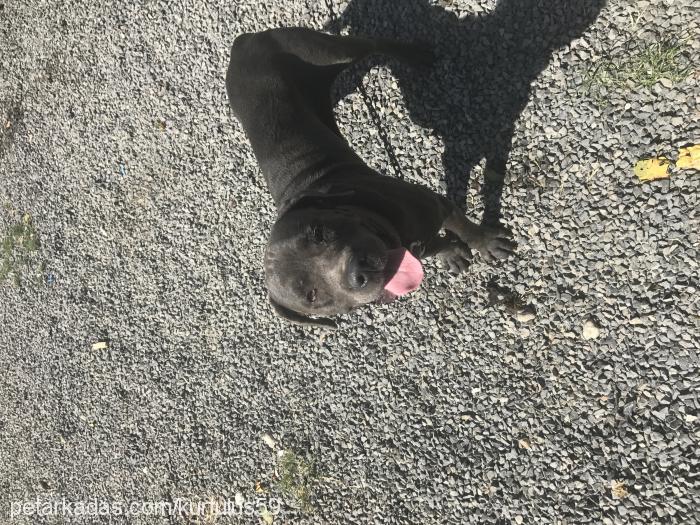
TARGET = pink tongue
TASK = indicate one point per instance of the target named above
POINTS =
(407, 275)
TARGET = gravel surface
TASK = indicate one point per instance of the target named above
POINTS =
(140, 361)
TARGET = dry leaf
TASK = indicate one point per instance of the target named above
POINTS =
(618, 489)
(652, 169)
(590, 330)
(689, 158)
(269, 441)
(258, 487)
(523, 443)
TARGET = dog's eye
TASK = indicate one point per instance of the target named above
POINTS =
(317, 235)
(320, 235)
(311, 295)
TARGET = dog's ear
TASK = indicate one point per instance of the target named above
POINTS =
(298, 318)
(309, 197)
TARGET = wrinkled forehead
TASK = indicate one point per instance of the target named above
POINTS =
(296, 223)
(294, 264)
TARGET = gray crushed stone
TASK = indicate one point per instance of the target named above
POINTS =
(475, 400)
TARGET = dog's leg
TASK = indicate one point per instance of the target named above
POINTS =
(450, 249)
(492, 242)
(325, 50)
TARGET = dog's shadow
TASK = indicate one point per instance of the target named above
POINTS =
(481, 79)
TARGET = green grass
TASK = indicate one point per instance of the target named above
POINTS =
(643, 66)
(17, 245)
(298, 476)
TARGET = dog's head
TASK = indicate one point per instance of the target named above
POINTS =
(326, 260)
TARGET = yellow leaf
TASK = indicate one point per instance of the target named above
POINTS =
(267, 516)
(100, 345)
(651, 169)
(258, 487)
(689, 157)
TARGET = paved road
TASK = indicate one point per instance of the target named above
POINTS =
(137, 219)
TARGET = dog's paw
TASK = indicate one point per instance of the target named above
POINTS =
(494, 242)
(456, 256)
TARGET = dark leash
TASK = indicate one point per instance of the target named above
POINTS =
(369, 103)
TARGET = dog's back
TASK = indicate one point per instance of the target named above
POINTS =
(284, 106)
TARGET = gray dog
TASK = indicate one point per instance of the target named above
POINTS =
(345, 235)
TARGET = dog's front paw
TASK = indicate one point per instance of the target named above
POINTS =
(456, 256)
(493, 242)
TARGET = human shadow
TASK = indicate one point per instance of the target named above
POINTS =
(480, 82)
